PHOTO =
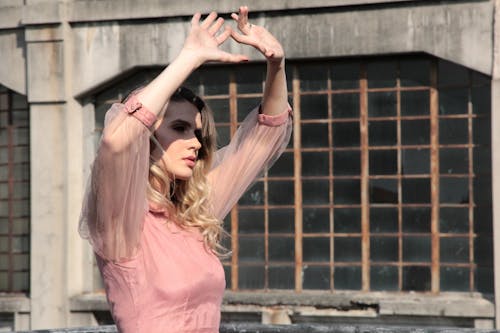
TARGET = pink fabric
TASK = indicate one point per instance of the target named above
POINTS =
(159, 277)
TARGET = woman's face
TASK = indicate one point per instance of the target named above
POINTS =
(178, 135)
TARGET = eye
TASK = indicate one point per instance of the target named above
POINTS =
(179, 128)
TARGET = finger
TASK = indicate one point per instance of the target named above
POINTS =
(209, 20)
(196, 19)
(235, 58)
(223, 36)
(235, 16)
(216, 26)
(243, 38)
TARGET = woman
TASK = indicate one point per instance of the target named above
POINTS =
(159, 192)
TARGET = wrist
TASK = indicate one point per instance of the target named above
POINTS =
(191, 57)
(276, 65)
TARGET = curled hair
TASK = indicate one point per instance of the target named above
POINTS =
(187, 201)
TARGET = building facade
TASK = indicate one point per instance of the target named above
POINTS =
(382, 209)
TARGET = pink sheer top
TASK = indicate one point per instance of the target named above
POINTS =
(158, 276)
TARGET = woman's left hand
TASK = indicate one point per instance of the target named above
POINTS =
(257, 37)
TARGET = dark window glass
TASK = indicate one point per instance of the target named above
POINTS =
(482, 160)
(382, 104)
(454, 279)
(316, 249)
(314, 135)
(345, 105)
(251, 249)
(453, 101)
(417, 219)
(417, 249)
(281, 193)
(215, 81)
(483, 279)
(454, 249)
(414, 72)
(416, 278)
(415, 161)
(281, 277)
(481, 129)
(346, 134)
(347, 278)
(345, 76)
(416, 190)
(227, 274)
(254, 195)
(281, 249)
(452, 74)
(220, 109)
(384, 278)
(415, 103)
(249, 79)
(383, 220)
(482, 190)
(346, 162)
(384, 249)
(382, 133)
(383, 162)
(315, 191)
(316, 277)
(481, 100)
(346, 191)
(453, 131)
(250, 221)
(316, 220)
(313, 77)
(381, 74)
(223, 136)
(454, 190)
(347, 220)
(251, 277)
(347, 249)
(383, 191)
(314, 106)
(482, 219)
(281, 220)
(283, 167)
(315, 163)
(245, 105)
(483, 250)
(415, 132)
(453, 161)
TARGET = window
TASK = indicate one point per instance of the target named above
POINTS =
(385, 185)
(14, 192)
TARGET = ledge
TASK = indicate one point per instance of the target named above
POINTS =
(14, 303)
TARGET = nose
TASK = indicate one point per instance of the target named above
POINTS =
(195, 144)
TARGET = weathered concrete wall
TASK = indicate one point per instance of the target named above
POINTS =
(13, 60)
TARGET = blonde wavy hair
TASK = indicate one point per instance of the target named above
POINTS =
(187, 201)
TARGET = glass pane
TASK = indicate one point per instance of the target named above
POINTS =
(454, 249)
(483, 250)
(20, 244)
(227, 274)
(454, 190)
(481, 129)
(417, 249)
(4, 155)
(417, 219)
(4, 104)
(21, 154)
(313, 77)
(281, 220)
(382, 133)
(481, 100)
(482, 190)
(415, 103)
(21, 226)
(19, 101)
(416, 278)
(383, 162)
(281, 193)
(254, 195)
(483, 220)
(346, 191)
(245, 105)
(20, 136)
(220, 109)
(415, 132)
(4, 281)
(482, 160)
(415, 161)
(314, 135)
(382, 104)
(384, 278)
(346, 134)
(316, 249)
(452, 74)
(347, 220)
(215, 81)
(20, 281)
(383, 191)
(345, 105)
(315, 164)
(250, 221)
(453, 131)
(381, 74)
(21, 262)
(316, 277)
(347, 249)
(223, 136)
(453, 101)
(345, 76)
(4, 224)
(315, 192)
(251, 249)
(453, 161)
(4, 244)
(483, 279)
(383, 220)
(281, 277)
(249, 79)
(384, 249)
(416, 190)
(251, 277)
(314, 106)
(347, 278)
(283, 167)
(282, 249)
(414, 72)
(21, 172)
(347, 162)
(454, 279)
(21, 208)
(4, 262)
(316, 220)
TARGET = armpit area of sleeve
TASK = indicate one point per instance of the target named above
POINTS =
(135, 108)
(275, 120)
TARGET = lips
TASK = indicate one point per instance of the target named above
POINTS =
(190, 161)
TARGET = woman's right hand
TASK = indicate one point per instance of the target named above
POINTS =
(203, 42)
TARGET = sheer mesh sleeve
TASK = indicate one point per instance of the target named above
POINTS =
(256, 145)
(115, 201)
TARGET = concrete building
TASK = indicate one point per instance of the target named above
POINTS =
(382, 209)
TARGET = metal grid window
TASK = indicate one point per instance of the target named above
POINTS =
(14, 192)
(384, 187)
